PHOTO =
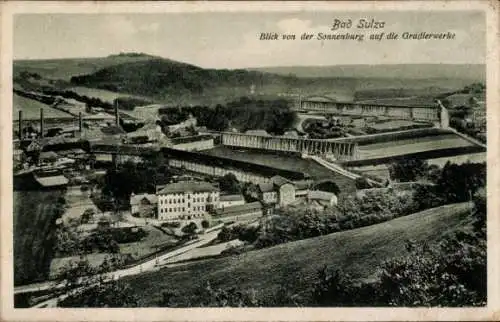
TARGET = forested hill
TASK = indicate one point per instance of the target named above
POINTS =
(155, 77)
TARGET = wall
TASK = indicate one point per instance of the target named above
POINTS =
(287, 194)
(241, 175)
(340, 150)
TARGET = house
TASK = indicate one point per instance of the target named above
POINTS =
(286, 190)
(231, 200)
(187, 200)
(322, 198)
(267, 194)
(239, 213)
(279, 191)
(143, 204)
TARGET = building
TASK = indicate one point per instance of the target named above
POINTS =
(239, 213)
(286, 190)
(231, 200)
(267, 193)
(193, 143)
(322, 198)
(143, 204)
(186, 200)
(279, 191)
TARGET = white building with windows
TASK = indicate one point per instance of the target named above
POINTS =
(187, 200)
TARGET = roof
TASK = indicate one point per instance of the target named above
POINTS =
(318, 99)
(185, 186)
(112, 130)
(257, 132)
(302, 184)
(136, 199)
(320, 195)
(279, 181)
(266, 187)
(57, 180)
(48, 155)
(231, 198)
(239, 209)
(189, 139)
(98, 116)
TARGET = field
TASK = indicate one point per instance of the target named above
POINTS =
(104, 95)
(149, 244)
(398, 147)
(34, 218)
(31, 109)
(294, 265)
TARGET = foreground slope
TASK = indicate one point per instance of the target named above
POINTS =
(294, 265)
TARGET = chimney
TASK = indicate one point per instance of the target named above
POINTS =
(41, 122)
(20, 125)
(117, 117)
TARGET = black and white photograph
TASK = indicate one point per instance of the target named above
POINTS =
(281, 158)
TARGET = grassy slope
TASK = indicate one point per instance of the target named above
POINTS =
(31, 109)
(34, 218)
(358, 252)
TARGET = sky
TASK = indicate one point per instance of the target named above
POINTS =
(231, 40)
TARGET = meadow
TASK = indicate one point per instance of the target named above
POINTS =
(357, 252)
(31, 109)
(34, 216)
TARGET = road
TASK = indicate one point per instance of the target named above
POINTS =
(134, 270)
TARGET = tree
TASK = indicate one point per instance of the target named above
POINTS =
(87, 215)
(189, 229)
(230, 184)
(408, 169)
(205, 224)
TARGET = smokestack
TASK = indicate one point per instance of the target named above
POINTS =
(20, 125)
(117, 118)
(80, 122)
(41, 122)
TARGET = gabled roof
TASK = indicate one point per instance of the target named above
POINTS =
(136, 199)
(279, 181)
(187, 186)
(266, 187)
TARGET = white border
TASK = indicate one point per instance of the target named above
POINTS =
(491, 312)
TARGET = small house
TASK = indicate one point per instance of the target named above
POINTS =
(143, 204)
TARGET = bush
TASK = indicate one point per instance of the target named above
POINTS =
(205, 224)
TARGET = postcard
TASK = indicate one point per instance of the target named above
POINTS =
(250, 161)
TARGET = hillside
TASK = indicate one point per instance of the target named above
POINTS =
(165, 80)
(66, 68)
(475, 72)
(294, 265)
